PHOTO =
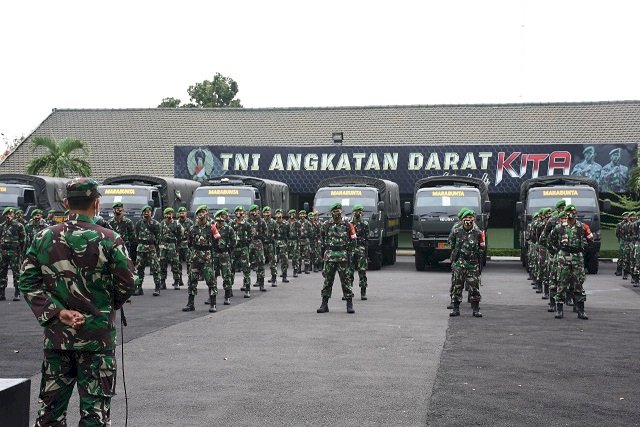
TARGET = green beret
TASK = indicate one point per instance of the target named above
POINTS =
(219, 213)
(239, 208)
(357, 208)
(302, 212)
(292, 211)
(570, 208)
(465, 212)
(625, 213)
(253, 208)
(278, 210)
(535, 215)
(36, 212)
(182, 209)
(19, 211)
(226, 210)
(202, 208)
(562, 214)
(7, 210)
(117, 205)
(145, 207)
(561, 202)
(52, 211)
(545, 211)
(554, 214)
(266, 208)
(632, 213)
(167, 210)
(336, 206)
(82, 188)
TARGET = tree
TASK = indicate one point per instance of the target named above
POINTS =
(634, 176)
(220, 92)
(59, 160)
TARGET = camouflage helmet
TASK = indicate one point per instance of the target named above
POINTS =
(82, 188)
(167, 211)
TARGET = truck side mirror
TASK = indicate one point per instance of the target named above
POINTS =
(305, 206)
(519, 207)
(152, 203)
(380, 205)
(407, 208)
(606, 205)
(487, 206)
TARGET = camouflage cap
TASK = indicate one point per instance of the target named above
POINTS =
(82, 188)
(202, 208)
(146, 207)
(182, 209)
(7, 210)
(253, 208)
(117, 205)
(561, 202)
(357, 208)
(167, 211)
(266, 208)
(336, 206)
(239, 208)
(570, 208)
(219, 213)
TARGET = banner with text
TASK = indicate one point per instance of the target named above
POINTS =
(502, 167)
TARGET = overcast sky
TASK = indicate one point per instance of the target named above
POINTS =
(131, 54)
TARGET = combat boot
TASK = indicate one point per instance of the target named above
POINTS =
(2, 296)
(581, 314)
(190, 306)
(545, 295)
(315, 268)
(539, 288)
(559, 310)
(307, 268)
(618, 271)
(552, 301)
(227, 297)
(140, 291)
(212, 304)
(273, 281)
(456, 309)
(350, 309)
(164, 285)
(569, 298)
(247, 293)
(284, 278)
(295, 273)
(363, 293)
(475, 306)
(261, 285)
(257, 284)
(176, 286)
(156, 291)
(16, 295)
(625, 274)
(324, 307)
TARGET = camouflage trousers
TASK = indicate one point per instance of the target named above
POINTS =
(270, 257)
(202, 263)
(329, 273)
(294, 253)
(570, 276)
(222, 264)
(627, 253)
(465, 274)
(552, 271)
(257, 258)
(169, 256)
(305, 252)
(281, 256)
(531, 258)
(183, 253)
(542, 265)
(620, 250)
(95, 374)
(316, 254)
(635, 261)
(9, 259)
(240, 259)
(359, 263)
(147, 256)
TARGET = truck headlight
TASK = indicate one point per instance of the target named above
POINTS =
(417, 235)
(373, 233)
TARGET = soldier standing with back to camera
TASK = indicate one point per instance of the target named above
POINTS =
(359, 257)
(339, 239)
(148, 238)
(77, 312)
(183, 247)
(13, 240)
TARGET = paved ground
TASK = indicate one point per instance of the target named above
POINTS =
(400, 360)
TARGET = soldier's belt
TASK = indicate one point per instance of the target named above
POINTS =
(337, 248)
(201, 248)
(571, 250)
(147, 242)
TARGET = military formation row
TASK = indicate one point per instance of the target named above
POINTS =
(557, 241)
(628, 234)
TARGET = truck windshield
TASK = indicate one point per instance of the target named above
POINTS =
(131, 198)
(583, 198)
(348, 197)
(446, 201)
(8, 200)
(223, 197)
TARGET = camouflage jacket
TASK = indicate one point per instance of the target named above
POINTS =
(258, 229)
(243, 233)
(148, 233)
(281, 231)
(362, 232)
(306, 229)
(200, 237)
(465, 245)
(125, 229)
(337, 240)
(294, 230)
(269, 236)
(227, 240)
(12, 237)
(77, 265)
(170, 234)
(186, 224)
(31, 229)
(570, 239)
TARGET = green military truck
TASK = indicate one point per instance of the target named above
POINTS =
(29, 192)
(544, 192)
(229, 191)
(437, 201)
(381, 201)
(136, 191)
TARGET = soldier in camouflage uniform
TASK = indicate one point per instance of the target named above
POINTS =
(614, 177)
(241, 250)
(570, 238)
(256, 247)
(125, 228)
(339, 239)
(13, 240)
(270, 257)
(531, 248)
(75, 276)
(627, 248)
(359, 257)
(171, 233)
(316, 244)
(148, 238)
(634, 231)
(183, 247)
(466, 242)
(541, 254)
(620, 236)
(281, 238)
(51, 218)
(20, 217)
(293, 243)
(304, 242)
(34, 226)
(201, 244)
(222, 248)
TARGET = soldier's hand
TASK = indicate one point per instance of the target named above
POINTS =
(71, 318)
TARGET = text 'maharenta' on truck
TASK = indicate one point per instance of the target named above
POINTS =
(437, 201)
(229, 191)
(136, 191)
(29, 192)
(544, 192)
(381, 201)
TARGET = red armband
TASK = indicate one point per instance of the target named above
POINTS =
(352, 232)
(215, 232)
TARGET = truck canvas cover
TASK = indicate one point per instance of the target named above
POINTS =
(173, 191)
(50, 192)
(383, 186)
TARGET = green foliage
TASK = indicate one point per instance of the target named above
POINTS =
(619, 203)
(634, 177)
(217, 93)
(503, 252)
(59, 159)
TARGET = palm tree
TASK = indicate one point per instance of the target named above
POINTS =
(59, 159)
(634, 176)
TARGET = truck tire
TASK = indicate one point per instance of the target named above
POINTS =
(420, 261)
(389, 254)
(376, 260)
(593, 263)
